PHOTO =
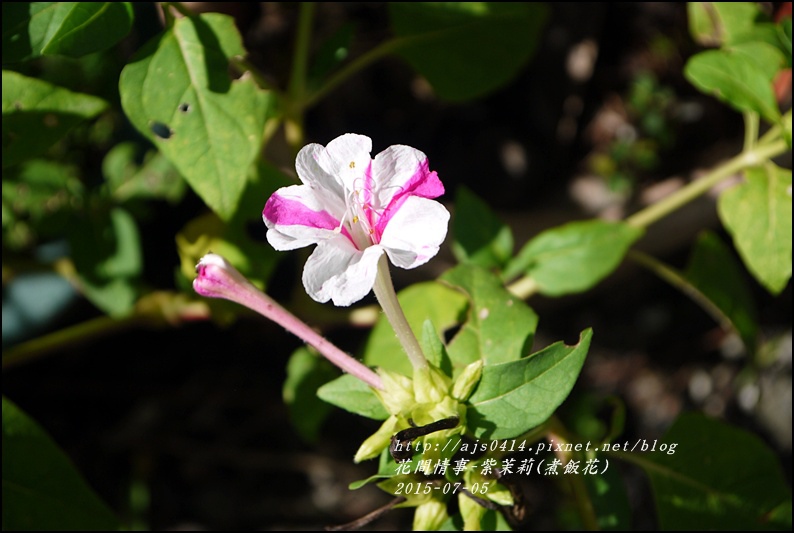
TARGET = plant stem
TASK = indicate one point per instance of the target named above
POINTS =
(750, 130)
(664, 207)
(297, 82)
(523, 287)
(677, 280)
(384, 290)
(296, 91)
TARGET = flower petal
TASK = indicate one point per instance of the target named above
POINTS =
(296, 216)
(338, 271)
(415, 232)
(348, 159)
(401, 172)
(312, 174)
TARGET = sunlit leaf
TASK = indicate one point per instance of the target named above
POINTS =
(36, 114)
(718, 23)
(352, 394)
(514, 397)
(42, 490)
(574, 257)
(177, 92)
(734, 79)
(467, 49)
(74, 29)
(766, 57)
(499, 327)
(757, 213)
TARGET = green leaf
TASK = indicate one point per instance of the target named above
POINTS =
(514, 397)
(430, 300)
(74, 29)
(155, 177)
(107, 255)
(480, 238)
(734, 79)
(37, 188)
(574, 257)
(714, 272)
(766, 57)
(610, 500)
(718, 23)
(784, 38)
(757, 213)
(307, 372)
(466, 49)
(434, 348)
(352, 394)
(37, 114)
(42, 490)
(499, 328)
(719, 477)
(177, 92)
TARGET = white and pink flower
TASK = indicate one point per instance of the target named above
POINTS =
(356, 208)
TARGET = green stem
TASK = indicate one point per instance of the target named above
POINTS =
(751, 120)
(300, 61)
(384, 290)
(523, 287)
(678, 281)
(653, 213)
(296, 91)
(353, 67)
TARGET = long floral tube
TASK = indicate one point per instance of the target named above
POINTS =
(216, 278)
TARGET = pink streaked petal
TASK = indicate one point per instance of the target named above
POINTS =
(421, 182)
(294, 218)
(340, 272)
(416, 232)
(347, 158)
(401, 170)
(297, 205)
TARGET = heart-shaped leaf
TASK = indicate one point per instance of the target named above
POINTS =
(177, 92)
(514, 397)
(757, 213)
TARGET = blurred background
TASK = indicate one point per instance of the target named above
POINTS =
(183, 426)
